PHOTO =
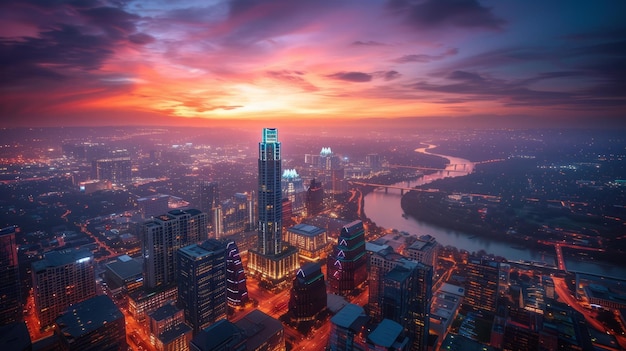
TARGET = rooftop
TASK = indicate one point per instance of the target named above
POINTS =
(62, 257)
(164, 311)
(125, 267)
(386, 333)
(84, 317)
(306, 229)
(349, 316)
(172, 334)
(258, 327)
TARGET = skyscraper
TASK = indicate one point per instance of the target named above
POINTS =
(10, 300)
(272, 260)
(314, 198)
(236, 288)
(482, 284)
(209, 200)
(308, 293)
(347, 266)
(202, 283)
(60, 279)
(165, 234)
(406, 297)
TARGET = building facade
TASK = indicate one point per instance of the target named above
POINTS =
(117, 170)
(92, 325)
(60, 279)
(308, 293)
(202, 283)
(481, 291)
(347, 265)
(272, 261)
(162, 236)
(311, 241)
(10, 298)
(236, 288)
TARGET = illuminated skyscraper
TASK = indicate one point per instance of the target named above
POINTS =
(347, 266)
(10, 301)
(482, 284)
(272, 260)
(60, 279)
(236, 288)
(202, 283)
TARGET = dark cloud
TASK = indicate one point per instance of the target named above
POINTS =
(367, 43)
(422, 58)
(357, 77)
(387, 75)
(74, 37)
(141, 38)
(433, 14)
(471, 86)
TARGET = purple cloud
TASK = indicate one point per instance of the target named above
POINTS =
(431, 14)
(422, 58)
(357, 77)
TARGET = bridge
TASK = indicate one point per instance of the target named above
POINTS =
(459, 167)
(558, 247)
(389, 186)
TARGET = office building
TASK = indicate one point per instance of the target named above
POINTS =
(202, 283)
(481, 291)
(124, 275)
(314, 198)
(220, 336)
(116, 170)
(92, 325)
(373, 162)
(308, 293)
(406, 298)
(162, 236)
(142, 302)
(60, 279)
(10, 297)
(347, 265)
(348, 329)
(273, 261)
(154, 205)
(167, 329)
(209, 201)
(425, 250)
(293, 189)
(262, 332)
(234, 214)
(236, 288)
(311, 241)
(388, 336)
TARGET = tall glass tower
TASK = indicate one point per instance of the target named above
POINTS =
(270, 194)
(272, 261)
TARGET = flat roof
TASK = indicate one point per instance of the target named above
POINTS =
(258, 327)
(175, 332)
(306, 229)
(125, 268)
(386, 333)
(348, 315)
(84, 317)
(164, 311)
(59, 258)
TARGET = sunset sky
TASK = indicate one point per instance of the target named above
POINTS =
(192, 62)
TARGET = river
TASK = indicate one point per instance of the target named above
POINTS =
(383, 208)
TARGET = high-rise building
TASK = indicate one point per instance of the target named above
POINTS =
(481, 291)
(308, 293)
(236, 288)
(373, 162)
(60, 279)
(382, 259)
(314, 198)
(202, 283)
(406, 297)
(10, 298)
(348, 329)
(235, 214)
(165, 234)
(293, 189)
(92, 325)
(272, 260)
(347, 266)
(209, 200)
(117, 170)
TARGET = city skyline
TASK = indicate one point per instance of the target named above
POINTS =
(209, 63)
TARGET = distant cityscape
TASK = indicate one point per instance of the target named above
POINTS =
(148, 238)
